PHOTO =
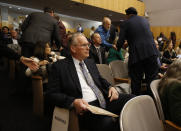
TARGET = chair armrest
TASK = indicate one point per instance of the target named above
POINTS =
(73, 121)
(170, 123)
(121, 80)
(38, 98)
(37, 77)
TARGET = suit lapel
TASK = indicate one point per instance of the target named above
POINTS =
(94, 50)
(73, 74)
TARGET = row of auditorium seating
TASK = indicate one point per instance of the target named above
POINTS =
(141, 110)
(105, 71)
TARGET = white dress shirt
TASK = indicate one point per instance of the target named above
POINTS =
(87, 92)
(15, 41)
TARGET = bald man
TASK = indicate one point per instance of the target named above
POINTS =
(104, 32)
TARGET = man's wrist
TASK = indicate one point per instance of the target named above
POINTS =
(21, 58)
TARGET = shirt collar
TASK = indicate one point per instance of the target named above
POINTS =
(76, 61)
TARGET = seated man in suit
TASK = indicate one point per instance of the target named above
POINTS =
(97, 52)
(75, 82)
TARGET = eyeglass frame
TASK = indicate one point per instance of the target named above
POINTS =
(84, 45)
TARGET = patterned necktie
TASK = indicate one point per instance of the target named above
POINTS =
(99, 55)
(158, 61)
(95, 89)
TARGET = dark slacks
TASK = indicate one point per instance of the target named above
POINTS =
(92, 122)
(149, 67)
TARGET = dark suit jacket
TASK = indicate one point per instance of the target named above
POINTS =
(136, 31)
(40, 26)
(64, 85)
(94, 55)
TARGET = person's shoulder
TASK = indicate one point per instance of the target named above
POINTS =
(166, 51)
(36, 14)
(61, 62)
(89, 61)
(92, 46)
(99, 29)
(103, 48)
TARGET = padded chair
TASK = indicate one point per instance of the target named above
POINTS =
(140, 114)
(107, 74)
(120, 70)
(38, 98)
(169, 126)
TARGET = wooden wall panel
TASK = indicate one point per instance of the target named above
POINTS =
(104, 4)
(120, 6)
(72, 30)
(87, 32)
(116, 5)
(166, 30)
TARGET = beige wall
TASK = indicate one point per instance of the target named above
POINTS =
(166, 18)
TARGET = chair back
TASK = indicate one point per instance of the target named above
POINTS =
(106, 72)
(139, 114)
(119, 69)
(154, 89)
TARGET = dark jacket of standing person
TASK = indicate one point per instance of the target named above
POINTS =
(39, 26)
(142, 49)
(136, 31)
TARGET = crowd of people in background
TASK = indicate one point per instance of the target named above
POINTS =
(43, 45)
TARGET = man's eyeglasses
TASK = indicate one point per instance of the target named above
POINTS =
(84, 45)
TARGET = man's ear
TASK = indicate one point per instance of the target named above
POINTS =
(72, 49)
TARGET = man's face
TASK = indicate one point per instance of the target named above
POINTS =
(14, 34)
(97, 39)
(81, 49)
(107, 24)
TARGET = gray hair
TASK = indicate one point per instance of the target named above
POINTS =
(73, 40)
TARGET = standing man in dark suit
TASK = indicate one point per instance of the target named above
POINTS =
(142, 50)
(39, 26)
(75, 82)
(97, 52)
